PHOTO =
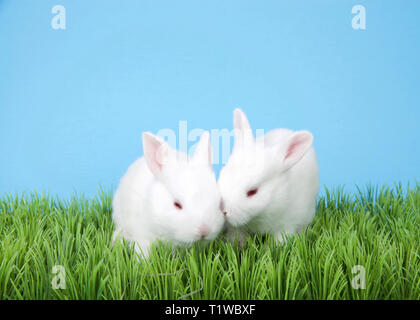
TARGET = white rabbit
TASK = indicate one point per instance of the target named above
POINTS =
(167, 196)
(269, 184)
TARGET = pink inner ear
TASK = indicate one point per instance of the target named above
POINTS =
(237, 124)
(157, 158)
(153, 153)
(292, 148)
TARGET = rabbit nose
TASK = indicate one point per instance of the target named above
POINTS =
(204, 231)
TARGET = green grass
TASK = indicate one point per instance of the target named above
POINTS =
(377, 228)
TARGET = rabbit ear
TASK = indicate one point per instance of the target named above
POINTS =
(155, 152)
(243, 132)
(296, 147)
(202, 153)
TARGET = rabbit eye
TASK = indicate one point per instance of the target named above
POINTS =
(177, 205)
(252, 192)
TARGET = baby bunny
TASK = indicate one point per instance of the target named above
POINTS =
(269, 184)
(168, 196)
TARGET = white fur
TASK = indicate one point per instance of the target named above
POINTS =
(143, 205)
(287, 185)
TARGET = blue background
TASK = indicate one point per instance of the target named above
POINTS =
(74, 102)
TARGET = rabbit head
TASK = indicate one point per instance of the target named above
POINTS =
(186, 199)
(256, 177)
